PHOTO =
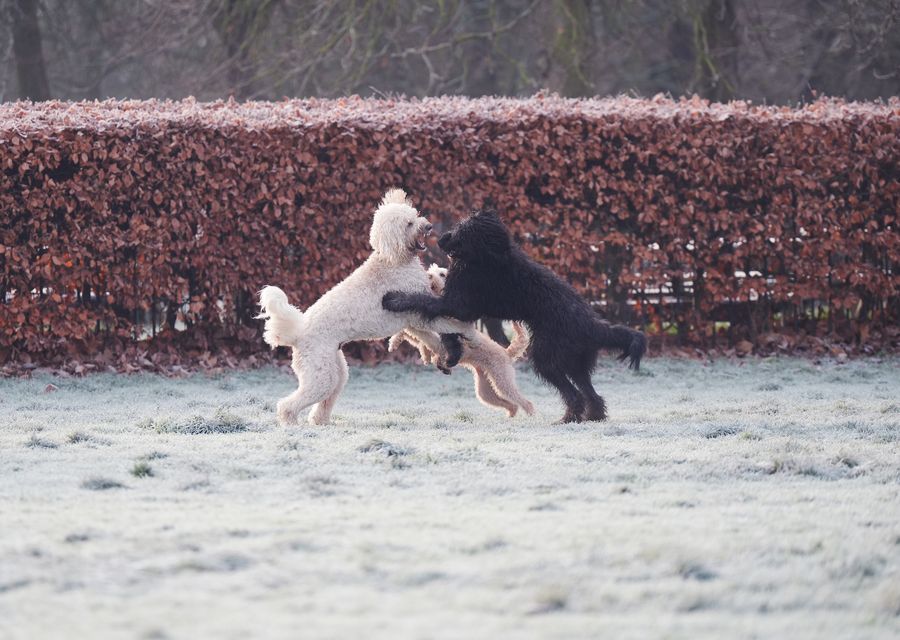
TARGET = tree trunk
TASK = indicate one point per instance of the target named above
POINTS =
(28, 51)
(240, 24)
(716, 42)
(574, 46)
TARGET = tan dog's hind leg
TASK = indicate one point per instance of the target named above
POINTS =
(503, 380)
(488, 396)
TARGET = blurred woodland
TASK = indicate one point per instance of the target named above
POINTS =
(771, 51)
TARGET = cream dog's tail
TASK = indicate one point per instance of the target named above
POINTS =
(520, 341)
(284, 321)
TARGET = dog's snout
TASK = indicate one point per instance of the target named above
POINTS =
(444, 240)
(428, 227)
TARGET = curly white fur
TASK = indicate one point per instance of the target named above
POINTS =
(352, 311)
(491, 364)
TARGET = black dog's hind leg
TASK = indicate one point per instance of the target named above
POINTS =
(453, 346)
(574, 401)
(595, 405)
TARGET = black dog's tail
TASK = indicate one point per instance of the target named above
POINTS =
(616, 336)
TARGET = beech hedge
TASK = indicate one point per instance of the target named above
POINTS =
(151, 225)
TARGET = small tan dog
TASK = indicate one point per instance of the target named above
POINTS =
(491, 364)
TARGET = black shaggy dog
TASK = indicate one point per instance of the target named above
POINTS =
(490, 276)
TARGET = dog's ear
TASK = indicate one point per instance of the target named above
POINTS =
(395, 196)
(496, 244)
(493, 238)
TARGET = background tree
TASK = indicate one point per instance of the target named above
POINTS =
(761, 50)
(27, 50)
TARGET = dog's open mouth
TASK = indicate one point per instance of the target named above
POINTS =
(419, 243)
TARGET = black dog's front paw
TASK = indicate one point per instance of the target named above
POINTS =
(453, 346)
(394, 301)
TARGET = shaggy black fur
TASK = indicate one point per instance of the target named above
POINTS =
(490, 276)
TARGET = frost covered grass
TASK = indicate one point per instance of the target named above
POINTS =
(753, 499)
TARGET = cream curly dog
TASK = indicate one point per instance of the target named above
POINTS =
(491, 364)
(352, 311)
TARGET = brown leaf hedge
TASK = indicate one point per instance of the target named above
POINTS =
(150, 225)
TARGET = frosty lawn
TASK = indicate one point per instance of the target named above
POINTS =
(724, 500)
